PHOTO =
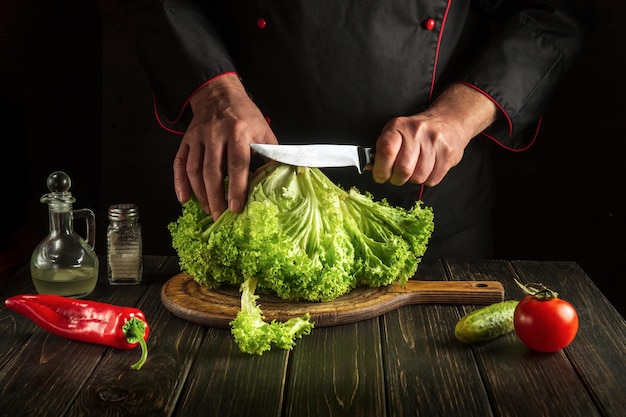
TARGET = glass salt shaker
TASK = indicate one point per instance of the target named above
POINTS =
(124, 245)
(64, 263)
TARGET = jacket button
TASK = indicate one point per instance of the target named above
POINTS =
(261, 23)
(429, 24)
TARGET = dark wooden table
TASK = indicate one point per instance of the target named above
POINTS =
(404, 363)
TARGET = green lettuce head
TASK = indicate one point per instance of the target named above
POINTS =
(302, 237)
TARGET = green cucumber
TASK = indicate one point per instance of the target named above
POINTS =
(486, 323)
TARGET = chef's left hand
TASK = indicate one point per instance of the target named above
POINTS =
(422, 148)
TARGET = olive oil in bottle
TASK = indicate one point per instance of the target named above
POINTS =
(64, 263)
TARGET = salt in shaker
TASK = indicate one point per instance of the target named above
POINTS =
(124, 245)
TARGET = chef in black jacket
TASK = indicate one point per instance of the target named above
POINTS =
(430, 84)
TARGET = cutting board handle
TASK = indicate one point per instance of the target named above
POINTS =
(450, 292)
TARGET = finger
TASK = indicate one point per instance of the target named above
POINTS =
(213, 176)
(424, 166)
(441, 166)
(436, 175)
(405, 163)
(238, 176)
(182, 187)
(194, 173)
(387, 147)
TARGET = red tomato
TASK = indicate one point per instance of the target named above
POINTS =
(545, 325)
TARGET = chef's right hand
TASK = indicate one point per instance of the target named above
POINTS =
(217, 145)
(422, 148)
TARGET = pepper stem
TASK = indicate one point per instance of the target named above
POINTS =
(135, 331)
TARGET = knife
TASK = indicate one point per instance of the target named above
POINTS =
(318, 155)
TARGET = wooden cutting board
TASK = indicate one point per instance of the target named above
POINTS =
(198, 304)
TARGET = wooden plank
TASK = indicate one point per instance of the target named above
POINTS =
(15, 329)
(599, 350)
(337, 371)
(518, 381)
(115, 389)
(43, 377)
(39, 380)
(222, 380)
(227, 382)
(427, 371)
(192, 370)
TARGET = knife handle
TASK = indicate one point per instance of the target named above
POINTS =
(366, 157)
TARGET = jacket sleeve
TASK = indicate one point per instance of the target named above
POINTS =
(181, 51)
(532, 45)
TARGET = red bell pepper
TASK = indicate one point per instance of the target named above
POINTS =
(86, 321)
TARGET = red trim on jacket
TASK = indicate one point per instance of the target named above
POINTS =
(158, 118)
(483, 92)
(517, 149)
(182, 110)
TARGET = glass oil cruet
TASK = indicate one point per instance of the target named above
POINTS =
(64, 263)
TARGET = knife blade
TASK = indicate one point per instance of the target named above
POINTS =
(318, 155)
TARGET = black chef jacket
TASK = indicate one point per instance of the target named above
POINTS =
(335, 71)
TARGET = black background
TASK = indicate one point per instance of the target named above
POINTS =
(73, 98)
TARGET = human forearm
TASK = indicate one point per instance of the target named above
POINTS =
(467, 107)
(218, 93)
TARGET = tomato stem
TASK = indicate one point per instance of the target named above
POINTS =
(537, 290)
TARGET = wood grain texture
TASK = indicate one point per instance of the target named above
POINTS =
(15, 329)
(338, 372)
(602, 369)
(46, 366)
(114, 389)
(406, 362)
(427, 371)
(217, 307)
(518, 381)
